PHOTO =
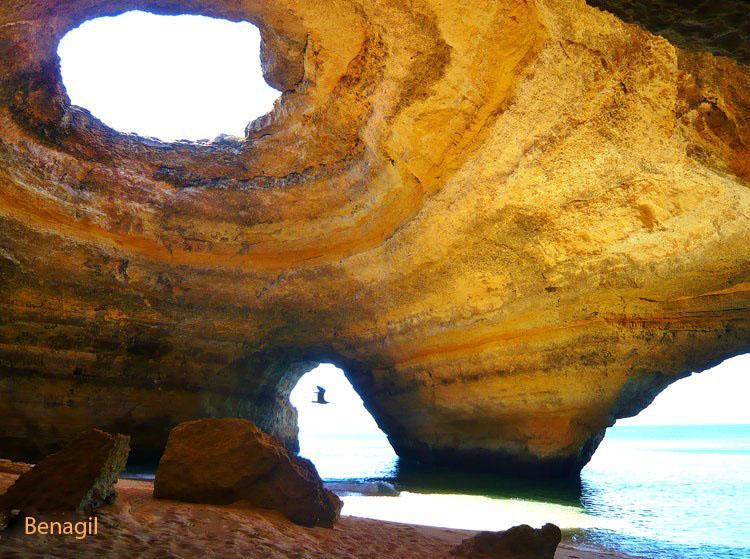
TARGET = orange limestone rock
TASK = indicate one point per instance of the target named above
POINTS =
(230, 460)
(510, 222)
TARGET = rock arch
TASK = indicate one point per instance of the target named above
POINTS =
(509, 225)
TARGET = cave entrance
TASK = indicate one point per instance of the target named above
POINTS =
(341, 437)
(680, 468)
(698, 410)
(170, 77)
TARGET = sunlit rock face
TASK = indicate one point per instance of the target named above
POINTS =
(510, 222)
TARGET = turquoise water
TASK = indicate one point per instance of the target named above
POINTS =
(672, 492)
(680, 491)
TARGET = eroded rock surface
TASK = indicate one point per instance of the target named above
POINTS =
(80, 477)
(510, 223)
(223, 461)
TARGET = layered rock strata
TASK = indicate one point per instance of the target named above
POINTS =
(510, 223)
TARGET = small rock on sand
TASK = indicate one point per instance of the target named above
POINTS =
(519, 542)
(371, 488)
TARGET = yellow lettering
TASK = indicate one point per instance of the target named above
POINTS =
(80, 530)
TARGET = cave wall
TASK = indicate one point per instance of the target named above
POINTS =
(718, 26)
(510, 223)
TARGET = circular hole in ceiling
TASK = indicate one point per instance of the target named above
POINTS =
(169, 77)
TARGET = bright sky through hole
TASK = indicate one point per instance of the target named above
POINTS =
(716, 396)
(169, 77)
(341, 438)
(345, 414)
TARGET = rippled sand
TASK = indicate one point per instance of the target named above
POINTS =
(139, 526)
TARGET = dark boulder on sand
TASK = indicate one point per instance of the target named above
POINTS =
(223, 461)
(519, 542)
(80, 477)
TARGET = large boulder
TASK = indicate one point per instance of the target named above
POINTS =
(519, 542)
(80, 477)
(224, 461)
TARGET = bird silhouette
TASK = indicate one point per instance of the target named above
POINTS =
(321, 393)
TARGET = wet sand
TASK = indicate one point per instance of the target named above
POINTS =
(138, 525)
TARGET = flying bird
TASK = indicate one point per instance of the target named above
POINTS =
(321, 393)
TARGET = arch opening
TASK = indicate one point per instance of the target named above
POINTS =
(206, 83)
(340, 437)
(687, 452)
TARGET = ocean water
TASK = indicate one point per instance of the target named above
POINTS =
(671, 492)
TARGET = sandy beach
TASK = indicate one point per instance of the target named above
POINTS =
(138, 525)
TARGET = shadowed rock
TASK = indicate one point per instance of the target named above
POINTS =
(519, 542)
(80, 477)
(224, 461)
(718, 26)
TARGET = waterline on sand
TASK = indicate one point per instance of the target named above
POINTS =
(470, 512)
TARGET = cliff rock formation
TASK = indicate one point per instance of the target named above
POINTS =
(509, 222)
